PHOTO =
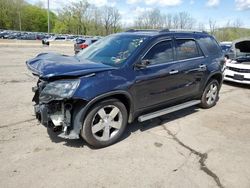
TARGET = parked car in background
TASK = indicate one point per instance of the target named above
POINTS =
(25, 35)
(123, 77)
(82, 43)
(3, 33)
(225, 46)
(238, 62)
(47, 41)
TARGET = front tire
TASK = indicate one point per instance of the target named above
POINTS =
(105, 123)
(210, 94)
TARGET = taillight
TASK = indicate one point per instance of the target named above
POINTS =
(82, 46)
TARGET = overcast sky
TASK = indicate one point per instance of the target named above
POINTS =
(201, 10)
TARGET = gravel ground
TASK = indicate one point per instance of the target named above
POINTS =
(189, 148)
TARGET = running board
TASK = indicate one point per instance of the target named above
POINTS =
(168, 110)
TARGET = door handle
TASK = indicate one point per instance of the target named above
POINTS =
(203, 67)
(173, 72)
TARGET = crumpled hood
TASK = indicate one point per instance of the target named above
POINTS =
(48, 65)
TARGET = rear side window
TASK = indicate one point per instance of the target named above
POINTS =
(160, 53)
(187, 49)
(211, 45)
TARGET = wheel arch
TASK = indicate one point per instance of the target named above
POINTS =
(122, 96)
(81, 112)
(217, 76)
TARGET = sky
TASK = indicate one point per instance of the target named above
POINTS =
(202, 10)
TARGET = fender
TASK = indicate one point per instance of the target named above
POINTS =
(210, 76)
(81, 112)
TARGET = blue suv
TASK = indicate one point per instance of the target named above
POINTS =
(134, 75)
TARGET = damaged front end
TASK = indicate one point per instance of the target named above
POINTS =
(54, 105)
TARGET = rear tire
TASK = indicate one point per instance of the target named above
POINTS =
(105, 123)
(210, 95)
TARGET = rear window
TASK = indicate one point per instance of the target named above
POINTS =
(187, 49)
(93, 41)
(60, 38)
(79, 41)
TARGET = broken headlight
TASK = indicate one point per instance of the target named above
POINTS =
(61, 88)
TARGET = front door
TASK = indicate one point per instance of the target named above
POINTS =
(159, 81)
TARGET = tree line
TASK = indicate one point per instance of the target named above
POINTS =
(83, 18)
(20, 15)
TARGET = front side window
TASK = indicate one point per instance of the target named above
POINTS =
(112, 50)
(160, 53)
(187, 49)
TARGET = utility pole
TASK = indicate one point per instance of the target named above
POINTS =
(19, 9)
(20, 21)
(48, 19)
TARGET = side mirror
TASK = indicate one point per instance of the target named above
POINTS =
(142, 64)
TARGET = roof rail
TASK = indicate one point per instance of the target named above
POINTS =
(142, 30)
(186, 30)
(166, 30)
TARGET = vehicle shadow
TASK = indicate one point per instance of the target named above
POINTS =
(239, 85)
(147, 125)
(130, 129)
(77, 143)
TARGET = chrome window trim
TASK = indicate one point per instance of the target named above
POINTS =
(177, 61)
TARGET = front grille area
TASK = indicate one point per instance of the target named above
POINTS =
(239, 70)
(232, 77)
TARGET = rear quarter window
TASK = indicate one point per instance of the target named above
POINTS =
(210, 45)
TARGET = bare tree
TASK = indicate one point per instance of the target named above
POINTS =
(212, 26)
(111, 18)
(116, 20)
(96, 19)
(79, 11)
(201, 26)
(237, 23)
(150, 19)
(184, 20)
(176, 21)
(169, 21)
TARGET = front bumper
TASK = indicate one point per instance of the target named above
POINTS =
(58, 116)
(238, 77)
(41, 112)
(56, 112)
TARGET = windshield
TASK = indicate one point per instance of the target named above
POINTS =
(112, 50)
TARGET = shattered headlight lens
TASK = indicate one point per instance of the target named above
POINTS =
(62, 88)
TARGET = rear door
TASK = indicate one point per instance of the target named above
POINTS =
(193, 65)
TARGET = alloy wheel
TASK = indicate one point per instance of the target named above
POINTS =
(106, 123)
(211, 95)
